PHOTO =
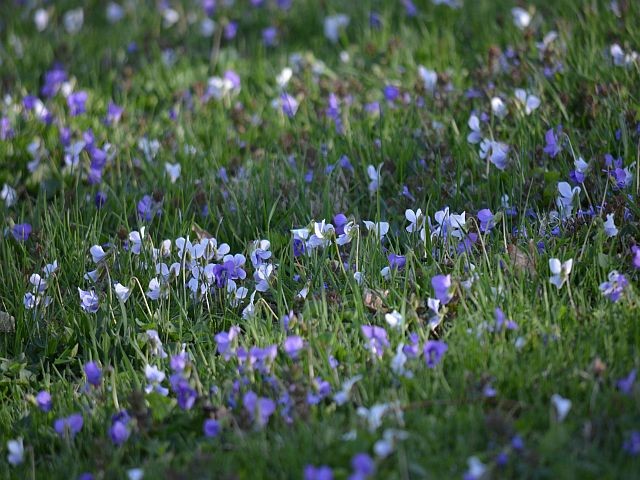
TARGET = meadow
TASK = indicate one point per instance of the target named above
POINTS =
(318, 239)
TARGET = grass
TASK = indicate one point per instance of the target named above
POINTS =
(572, 341)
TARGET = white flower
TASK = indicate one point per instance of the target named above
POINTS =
(429, 78)
(173, 170)
(250, 309)
(560, 271)
(284, 76)
(156, 290)
(498, 107)
(610, 228)
(561, 405)
(262, 276)
(73, 20)
(97, 253)
(373, 415)
(476, 468)
(448, 224)
(41, 19)
(580, 165)
(566, 199)
(155, 377)
(379, 228)
(385, 446)
(357, 276)
(415, 219)
(9, 195)
(16, 452)
(398, 361)
(135, 238)
(394, 319)
(521, 18)
(207, 27)
(474, 124)
(220, 87)
(332, 26)
(170, 17)
(527, 100)
(374, 176)
(121, 291)
(343, 395)
(156, 345)
(496, 151)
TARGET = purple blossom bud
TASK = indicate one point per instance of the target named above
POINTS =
(211, 428)
(43, 399)
(93, 373)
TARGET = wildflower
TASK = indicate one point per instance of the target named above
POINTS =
(76, 102)
(135, 473)
(448, 224)
(121, 291)
(269, 36)
(363, 466)
(73, 20)
(625, 384)
(486, 219)
(394, 319)
(89, 301)
(21, 232)
(527, 101)
(224, 341)
(615, 286)
(43, 400)
(398, 361)
(377, 340)
(333, 25)
(155, 344)
(211, 428)
(374, 177)
(496, 152)
(343, 395)
(580, 169)
(610, 228)
(635, 259)
(632, 444)
(374, 415)
(501, 322)
(397, 262)
(566, 199)
(559, 271)
(521, 18)
(429, 78)
(9, 195)
(474, 124)
(259, 408)
(323, 472)
(433, 352)
(416, 222)
(379, 228)
(498, 107)
(100, 199)
(386, 445)
(442, 286)
(561, 405)
(93, 373)
(155, 377)
(288, 104)
(16, 452)
(476, 469)
(552, 148)
(119, 431)
(70, 425)
(135, 240)
(292, 346)
(173, 170)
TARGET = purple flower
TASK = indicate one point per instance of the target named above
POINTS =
(43, 399)
(410, 8)
(323, 472)
(119, 431)
(632, 444)
(93, 373)
(614, 288)
(224, 341)
(21, 232)
(339, 221)
(89, 300)
(100, 199)
(442, 285)
(363, 466)
(552, 147)
(234, 78)
(114, 113)
(86, 476)
(517, 443)
(211, 428)
(397, 262)
(486, 220)
(269, 36)
(53, 79)
(289, 105)
(70, 425)
(375, 21)
(292, 346)
(259, 408)
(502, 322)
(625, 385)
(433, 352)
(635, 260)
(179, 362)
(6, 132)
(76, 102)
(230, 30)
(377, 339)
(391, 93)
(185, 394)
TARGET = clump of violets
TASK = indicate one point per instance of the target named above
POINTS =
(69, 426)
(615, 286)
(377, 340)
